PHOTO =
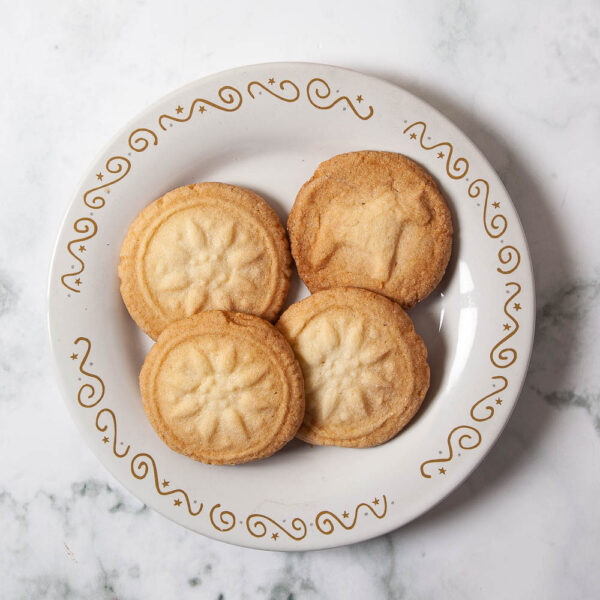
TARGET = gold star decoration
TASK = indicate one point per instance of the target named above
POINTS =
(506, 327)
(165, 483)
(441, 155)
(202, 109)
(517, 306)
(73, 356)
(345, 515)
(413, 136)
(179, 109)
(376, 501)
(498, 401)
(496, 204)
(275, 536)
(81, 248)
(442, 471)
(359, 98)
(271, 81)
(78, 281)
(177, 502)
(99, 176)
(105, 440)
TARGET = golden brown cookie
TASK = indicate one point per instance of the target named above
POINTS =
(374, 220)
(203, 247)
(223, 388)
(365, 369)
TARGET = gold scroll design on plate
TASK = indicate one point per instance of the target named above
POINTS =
(488, 407)
(140, 469)
(115, 165)
(230, 97)
(89, 228)
(455, 170)
(225, 517)
(94, 391)
(495, 226)
(510, 257)
(103, 428)
(141, 138)
(326, 520)
(255, 524)
(318, 90)
(468, 439)
(282, 86)
(505, 357)
(90, 394)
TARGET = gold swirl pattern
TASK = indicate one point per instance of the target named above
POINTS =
(83, 225)
(229, 96)
(255, 524)
(324, 521)
(140, 143)
(105, 427)
(282, 85)
(498, 223)
(455, 170)
(142, 470)
(314, 87)
(506, 255)
(507, 356)
(91, 390)
(226, 517)
(117, 165)
(464, 440)
(490, 409)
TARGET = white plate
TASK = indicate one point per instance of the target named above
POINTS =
(267, 127)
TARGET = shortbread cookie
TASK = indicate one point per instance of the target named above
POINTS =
(223, 388)
(365, 369)
(374, 220)
(208, 246)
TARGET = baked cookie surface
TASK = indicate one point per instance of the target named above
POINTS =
(365, 368)
(207, 246)
(374, 220)
(223, 388)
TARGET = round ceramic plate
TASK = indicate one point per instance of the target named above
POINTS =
(267, 127)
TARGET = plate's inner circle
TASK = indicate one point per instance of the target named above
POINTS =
(299, 468)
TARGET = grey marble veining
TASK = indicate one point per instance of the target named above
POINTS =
(523, 81)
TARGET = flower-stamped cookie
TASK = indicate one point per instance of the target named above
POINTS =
(374, 220)
(365, 368)
(223, 388)
(207, 246)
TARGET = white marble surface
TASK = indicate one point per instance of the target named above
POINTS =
(522, 80)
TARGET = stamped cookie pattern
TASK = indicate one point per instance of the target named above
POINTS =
(370, 228)
(364, 367)
(202, 260)
(219, 388)
(223, 388)
(336, 346)
(374, 220)
(208, 246)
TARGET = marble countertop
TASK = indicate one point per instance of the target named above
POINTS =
(523, 81)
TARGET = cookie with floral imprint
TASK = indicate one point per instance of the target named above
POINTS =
(365, 368)
(223, 388)
(373, 220)
(206, 246)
